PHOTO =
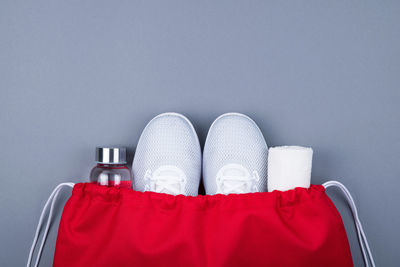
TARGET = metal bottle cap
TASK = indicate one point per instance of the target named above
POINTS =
(111, 155)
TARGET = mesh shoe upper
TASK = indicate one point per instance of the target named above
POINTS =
(168, 156)
(235, 156)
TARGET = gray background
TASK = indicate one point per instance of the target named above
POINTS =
(76, 74)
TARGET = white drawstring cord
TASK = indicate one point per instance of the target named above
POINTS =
(52, 198)
(360, 231)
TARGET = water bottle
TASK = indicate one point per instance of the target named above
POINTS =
(111, 168)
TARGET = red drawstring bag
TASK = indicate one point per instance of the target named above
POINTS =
(106, 226)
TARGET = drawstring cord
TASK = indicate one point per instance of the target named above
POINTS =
(52, 199)
(360, 231)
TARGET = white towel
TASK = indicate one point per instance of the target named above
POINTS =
(289, 167)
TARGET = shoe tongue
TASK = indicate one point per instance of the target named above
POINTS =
(173, 173)
(165, 191)
(235, 171)
(169, 170)
(233, 183)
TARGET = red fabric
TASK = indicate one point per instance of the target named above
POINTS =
(105, 226)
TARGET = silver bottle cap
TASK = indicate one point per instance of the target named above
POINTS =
(111, 155)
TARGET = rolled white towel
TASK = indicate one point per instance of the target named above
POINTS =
(289, 167)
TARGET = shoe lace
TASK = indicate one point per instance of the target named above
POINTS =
(171, 182)
(237, 184)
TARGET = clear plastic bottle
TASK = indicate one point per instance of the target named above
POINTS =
(111, 168)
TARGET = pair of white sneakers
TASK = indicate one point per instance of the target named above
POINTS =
(168, 156)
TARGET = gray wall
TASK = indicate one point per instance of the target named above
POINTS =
(76, 74)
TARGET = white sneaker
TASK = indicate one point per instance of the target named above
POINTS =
(168, 157)
(235, 156)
